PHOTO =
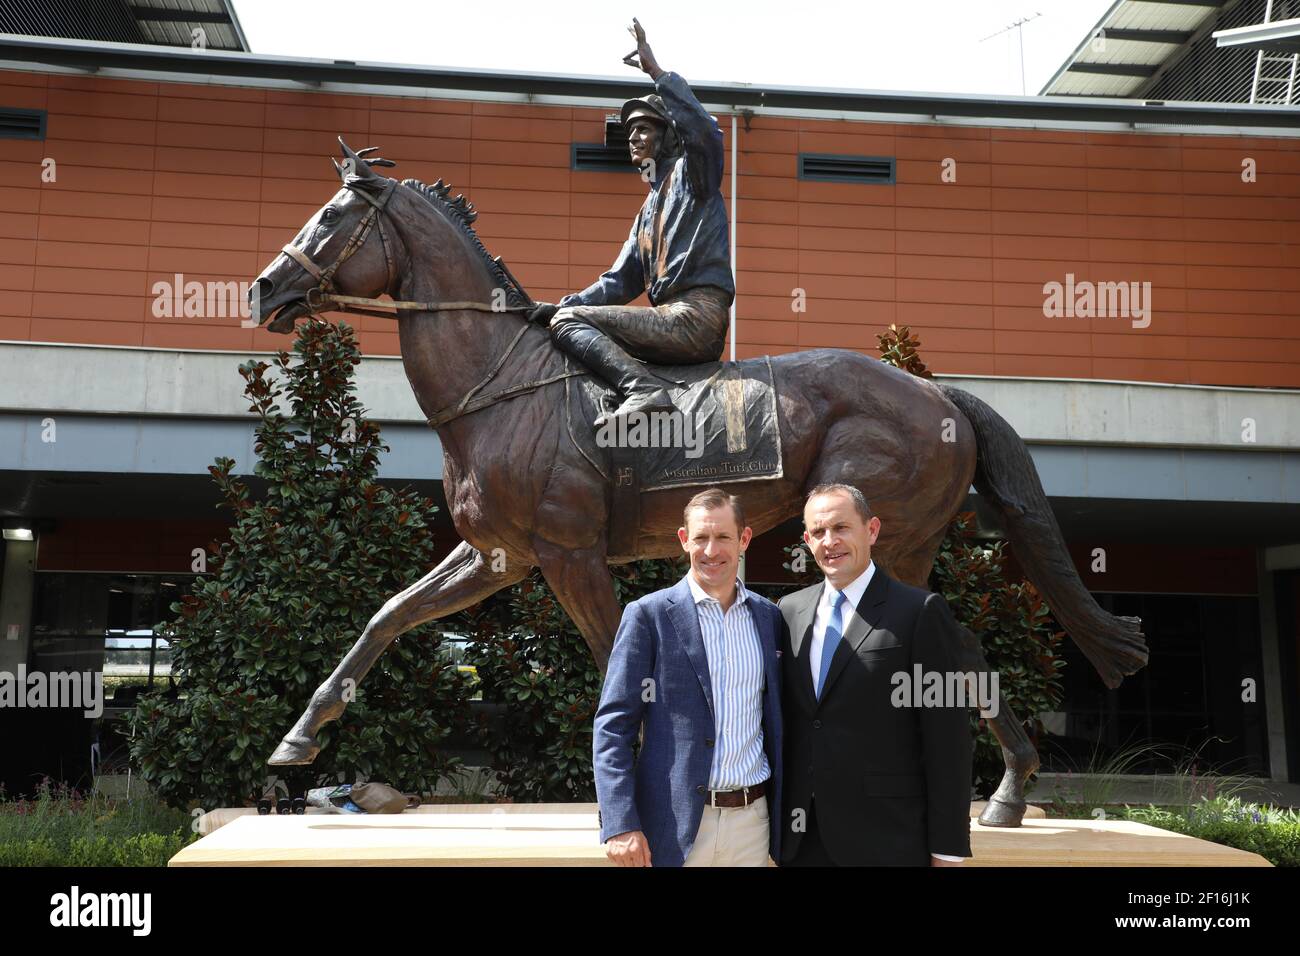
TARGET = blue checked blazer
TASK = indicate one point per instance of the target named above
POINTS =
(658, 678)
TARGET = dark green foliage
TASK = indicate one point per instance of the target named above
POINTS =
(532, 662)
(1272, 832)
(289, 594)
(1016, 632)
(60, 826)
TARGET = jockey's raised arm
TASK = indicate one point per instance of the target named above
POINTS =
(678, 252)
(700, 134)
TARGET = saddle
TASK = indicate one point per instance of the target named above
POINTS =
(724, 430)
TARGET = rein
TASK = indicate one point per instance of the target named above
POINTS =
(319, 299)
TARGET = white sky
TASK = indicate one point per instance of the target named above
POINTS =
(935, 46)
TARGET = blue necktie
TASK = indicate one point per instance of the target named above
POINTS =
(830, 642)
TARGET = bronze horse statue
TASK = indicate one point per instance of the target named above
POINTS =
(521, 495)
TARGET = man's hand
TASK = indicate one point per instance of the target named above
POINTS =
(628, 849)
(543, 313)
(645, 59)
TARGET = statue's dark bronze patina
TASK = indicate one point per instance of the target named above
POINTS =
(522, 493)
(678, 252)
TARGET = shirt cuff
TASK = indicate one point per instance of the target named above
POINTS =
(945, 856)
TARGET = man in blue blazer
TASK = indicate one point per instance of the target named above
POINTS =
(695, 668)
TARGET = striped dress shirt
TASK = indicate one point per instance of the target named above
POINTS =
(735, 654)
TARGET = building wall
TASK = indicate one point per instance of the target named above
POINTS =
(209, 181)
(164, 545)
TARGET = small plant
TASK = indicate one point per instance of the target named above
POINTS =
(1102, 775)
(1272, 832)
(61, 826)
(473, 785)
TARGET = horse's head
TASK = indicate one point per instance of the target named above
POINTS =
(344, 248)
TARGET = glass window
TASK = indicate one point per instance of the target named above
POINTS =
(1183, 710)
(105, 622)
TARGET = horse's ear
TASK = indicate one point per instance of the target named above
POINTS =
(357, 166)
(353, 164)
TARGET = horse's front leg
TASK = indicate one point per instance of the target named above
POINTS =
(464, 578)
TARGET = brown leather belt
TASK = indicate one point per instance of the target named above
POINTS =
(736, 798)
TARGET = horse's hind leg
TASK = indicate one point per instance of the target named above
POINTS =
(1006, 808)
(581, 582)
(463, 578)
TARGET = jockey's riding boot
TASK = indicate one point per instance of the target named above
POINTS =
(598, 352)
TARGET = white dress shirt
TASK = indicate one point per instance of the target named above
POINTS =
(734, 651)
(825, 607)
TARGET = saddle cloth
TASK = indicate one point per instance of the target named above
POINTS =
(724, 430)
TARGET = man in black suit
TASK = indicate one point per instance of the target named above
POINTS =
(871, 778)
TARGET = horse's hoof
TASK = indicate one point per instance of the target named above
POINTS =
(294, 750)
(1002, 813)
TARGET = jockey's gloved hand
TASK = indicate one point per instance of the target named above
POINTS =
(542, 313)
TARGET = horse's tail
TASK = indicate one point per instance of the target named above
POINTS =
(1005, 476)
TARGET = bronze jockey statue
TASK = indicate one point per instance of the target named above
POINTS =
(678, 252)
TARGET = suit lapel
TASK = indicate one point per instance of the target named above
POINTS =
(768, 627)
(801, 639)
(862, 622)
(686, 621)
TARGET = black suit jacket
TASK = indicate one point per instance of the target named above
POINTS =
(892, 784)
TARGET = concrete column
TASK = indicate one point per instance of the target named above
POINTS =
(16, 604)
(1274, 687)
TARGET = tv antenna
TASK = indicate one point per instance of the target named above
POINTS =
(1018, 26)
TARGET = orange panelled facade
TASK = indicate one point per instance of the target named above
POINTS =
(154, 179)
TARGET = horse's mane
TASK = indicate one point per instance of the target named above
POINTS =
(461, 212)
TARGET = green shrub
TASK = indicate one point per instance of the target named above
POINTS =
(143, 849)
(288, 595)
(535, 665)
(61, 827)
(1272, 832)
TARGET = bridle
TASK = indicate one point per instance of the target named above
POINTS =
(321, 298)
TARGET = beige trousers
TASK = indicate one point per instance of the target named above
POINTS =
(732, 836)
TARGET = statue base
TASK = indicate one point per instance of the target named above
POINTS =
(566, 834)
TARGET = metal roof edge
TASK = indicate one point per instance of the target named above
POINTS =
(235, 24)
(307, 73)
(1087, 38)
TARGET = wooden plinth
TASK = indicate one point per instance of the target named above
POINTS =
(557, 834)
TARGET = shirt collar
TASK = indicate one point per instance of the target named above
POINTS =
(700, 594)
(853, 591)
